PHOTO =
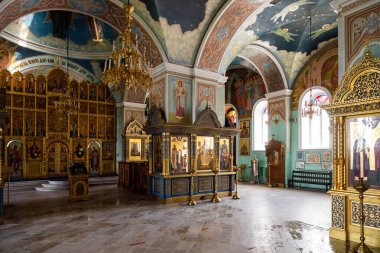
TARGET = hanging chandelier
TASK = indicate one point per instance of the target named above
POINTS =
(125, 66)
(311, 108)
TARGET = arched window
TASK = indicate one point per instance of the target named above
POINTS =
(315, 122)
(260, 125)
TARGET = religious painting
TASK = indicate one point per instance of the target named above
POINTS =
(326, 156)
(299, 155)
(73, 126)
(329, 73)
(101, 93)
(300, 165)
(243, 89)
(110, 128)
(93, 91)
(180, 100)
(29, 123)
(134, 152)
(108, 150)
(224, 153)
(313, 158)
(92, 126)
(179, 154)
(41, 84)
(326, 165)
(51, 158)
(14, 161)
(205, 152)
(363, 146)
(17, 122)
(63, 158)
(83, 107)
(29, 83)
(17, 82)
(157, 153)
(57, 81)
(29, 102)
(41, 103)
(41, 124)
(206, 96)
(94, 158)
(92, 108)
(83, 90)
(57, 121)
(244, 127)
(18, 101)
(157, 94)
(83, 126)
(244, 147)
(74, 89)
(34, 151)
(80, 150)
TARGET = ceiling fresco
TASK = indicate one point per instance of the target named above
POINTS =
(88, 37)
(284, 29)
(179, 25)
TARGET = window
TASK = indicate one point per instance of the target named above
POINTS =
(314, 128)
(260, 125)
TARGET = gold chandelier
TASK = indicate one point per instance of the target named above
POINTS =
(125, 66)
(311, 108)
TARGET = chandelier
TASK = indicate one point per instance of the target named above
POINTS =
(125, 67)
(311, 108)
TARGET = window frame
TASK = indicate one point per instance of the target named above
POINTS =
(253, 125)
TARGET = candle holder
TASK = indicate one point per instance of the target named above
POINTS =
(242, 168)
(269, 184)
(215, 197)
(361, 187)
(191, 200)
(236, 196)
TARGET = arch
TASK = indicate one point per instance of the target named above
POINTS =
(227, 108)
(105, 10)
(254, 125)
(268, 66)
(302, 128)
(220, 33)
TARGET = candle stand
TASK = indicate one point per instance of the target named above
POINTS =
(361, 187)
(192, 201)
(236, 196)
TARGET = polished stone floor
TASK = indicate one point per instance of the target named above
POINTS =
(114, 220)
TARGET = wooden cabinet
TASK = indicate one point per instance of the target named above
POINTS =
(275, 153)
(132, 176)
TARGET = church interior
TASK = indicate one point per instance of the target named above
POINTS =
(190, 126)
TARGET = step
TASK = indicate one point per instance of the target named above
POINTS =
(58, 182)
(55, 186)
(49, 189)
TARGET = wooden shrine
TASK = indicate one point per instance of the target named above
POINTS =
(275, 153)
(134, 168)
(178, 151)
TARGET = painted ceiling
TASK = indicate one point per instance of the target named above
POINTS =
(88, 37)
(179, 25)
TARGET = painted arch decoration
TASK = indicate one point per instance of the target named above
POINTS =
(104, 10)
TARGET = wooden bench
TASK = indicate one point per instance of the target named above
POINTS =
(311, 177)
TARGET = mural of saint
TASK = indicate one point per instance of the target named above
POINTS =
(34, 150)
(224, 156)
(244, 150)
(15, 159)
(360, 156)
(180, 99)
(94, 160)
(135, 151)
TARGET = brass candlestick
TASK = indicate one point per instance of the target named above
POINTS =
(361, 187)
(269, 184)
(215, 197)
(236, 196)
(191, 200)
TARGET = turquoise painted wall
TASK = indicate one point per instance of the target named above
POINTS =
(279, 130)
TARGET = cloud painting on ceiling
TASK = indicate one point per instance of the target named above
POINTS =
(287, 24)
(179, 25)
(95, 38)
(284, 30)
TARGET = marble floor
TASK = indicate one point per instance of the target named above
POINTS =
(115, 220)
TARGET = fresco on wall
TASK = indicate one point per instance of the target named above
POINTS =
(243, 89)
(179, 100)
(322, 70)
(206, 95)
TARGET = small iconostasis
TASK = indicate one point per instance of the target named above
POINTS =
(135, 166)
(355, 111)
(176, 150)
(42, 140)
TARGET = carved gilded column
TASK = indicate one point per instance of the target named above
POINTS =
(166, 156)
(193, 152)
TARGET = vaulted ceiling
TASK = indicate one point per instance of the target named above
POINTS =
(207, 34)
